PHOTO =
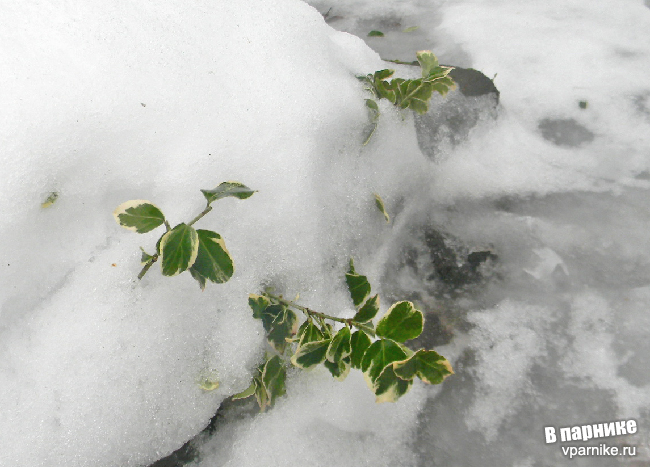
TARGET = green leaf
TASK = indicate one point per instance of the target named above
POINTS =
(411, 29)
(357, 285)
(401, 322)
(311, 354)
(368, 328)
(213, 262)
(225, 189)
(428, 62)
(378, 356)
(139, 216)
(178, 248)
(372, 105)
(373, 116)
(359, 343)
(249, 391)
(282, 328)
(269, 314)
(50, 200)
(427, 365)
(382, 74)
(375, 34)
(380, 205)
(339, 347)
(145, 257)
(311, 333)
(258, 304)
(368, 311)
(340, 369)
(418, 106)
(388, 387)
(273, 377)
(261, 395)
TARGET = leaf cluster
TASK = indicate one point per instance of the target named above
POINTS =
(181, 248)
(413, 94)
(388, 366)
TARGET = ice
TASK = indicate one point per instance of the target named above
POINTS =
(549, 188)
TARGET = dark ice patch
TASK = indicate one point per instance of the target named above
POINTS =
(451, 118)
(565, 132)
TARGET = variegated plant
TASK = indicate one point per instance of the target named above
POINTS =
(181, 248)
(413, 94)
(388, 366)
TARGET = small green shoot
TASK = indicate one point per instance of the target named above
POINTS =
(388, 366)
(411, 29)
(50, 200)
(375, 34)
(182, 248)
(379, 202)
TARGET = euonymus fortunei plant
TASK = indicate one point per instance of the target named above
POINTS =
(203, 252)
(413, 94)
(388, 366)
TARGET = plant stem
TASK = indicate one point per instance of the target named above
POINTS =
(207, 209)
(320, 316)
(148, 265)
(400, 62)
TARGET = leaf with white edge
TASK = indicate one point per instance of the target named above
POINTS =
(225, 189)
(145, 256)
(311, 354)
(139, 215)
(401, 322)
(258, 304)
(261, 395)
(427, 60)
(340, 369)
(381, 206)
(213, 262)
(428, 365)
(311, 333)
(359, 343)
(382, 74)
(339, 348)
(358, 285)
(249, 391)
(273, 377)
(368, 311)
(368, 328)
(421, 107)
(178, 249)
(269, 315)
(283, 328)
(378, 356)
(388, 387)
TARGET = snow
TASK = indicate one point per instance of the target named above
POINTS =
(108, 102)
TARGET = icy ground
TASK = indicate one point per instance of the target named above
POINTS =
(105, 102)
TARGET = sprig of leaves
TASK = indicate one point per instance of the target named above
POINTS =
(388, 366)
(182, 248)
(413, 94)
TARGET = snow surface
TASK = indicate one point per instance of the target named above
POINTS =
(106, 102)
